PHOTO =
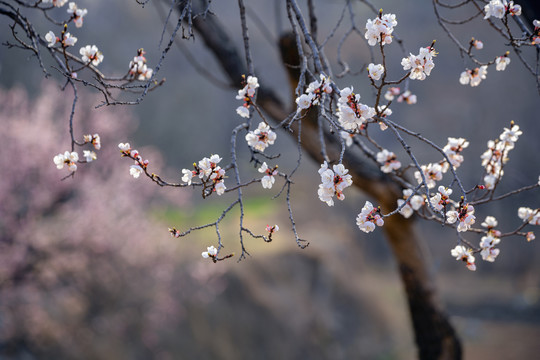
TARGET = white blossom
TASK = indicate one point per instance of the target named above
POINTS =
(495, 8)
(333, 182)
(441, 199)
(432, 173)
(91, 54)
(69, 40)
(462, 253)
(268, 179)
(124, 147)
(89, 155)
(211, 251)
(421, 64)
(388, 161)
(529, 215)
(375, 71)
(188, 176)
(261, 138)
(368, 218)
(379, 30)
(351, 113)
(77, 14)
(314, 93)
(487, 244)
(464, 216)
(348, 138)
(219, 187)
(415, 202)
(453, 150)
(68, 159)
(94, 140)
(478, 45)
(501, 63)
(135, 171)
(51, 39)
(243, 111)
(473, 77)
(57, 3)
(408, 97)
(391, 93)
(490, 222)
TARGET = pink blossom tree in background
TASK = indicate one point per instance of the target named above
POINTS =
(75, 252)
(407, 177)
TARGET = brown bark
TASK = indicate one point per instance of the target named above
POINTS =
(435, 337)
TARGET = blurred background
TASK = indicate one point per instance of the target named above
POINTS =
(88, 269)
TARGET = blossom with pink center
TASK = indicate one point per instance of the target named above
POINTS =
(369, 217)
(261, 138)
(462, 253)
(68, 159)
(268, 179)
(314, 93)
(333, 182)
(388, 161)
(464, 215)
(415, 202)
(432, 173)
(375, 71)
(210, 252)
(379, 30)
(77, 14)
(421, 64)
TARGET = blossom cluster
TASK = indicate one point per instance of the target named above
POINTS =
(460, 252)
(137, 67)
(464, 215)
(369, 217)
(246, 94)
(529, 215)
(351, 113)
(496, 155)
(413, 204)
(406, 96)
(91, 54)
(67, 39)
(211, 252)
(271, 230)
(488, 242)
(432, 172)
(76, 14)
(57, 3)
(473, 77)
(535, 36)
(499, 8)
(441, 198)
(261, 138)
(453, 150)
(421, 64)
(502, 61)
(333, 182)
(379, 30)
(314, 93)
(268, 179)
(388, 161)
(208, 170)
(68, 159)
(93, 139)
(375, 71)
(140, 165)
